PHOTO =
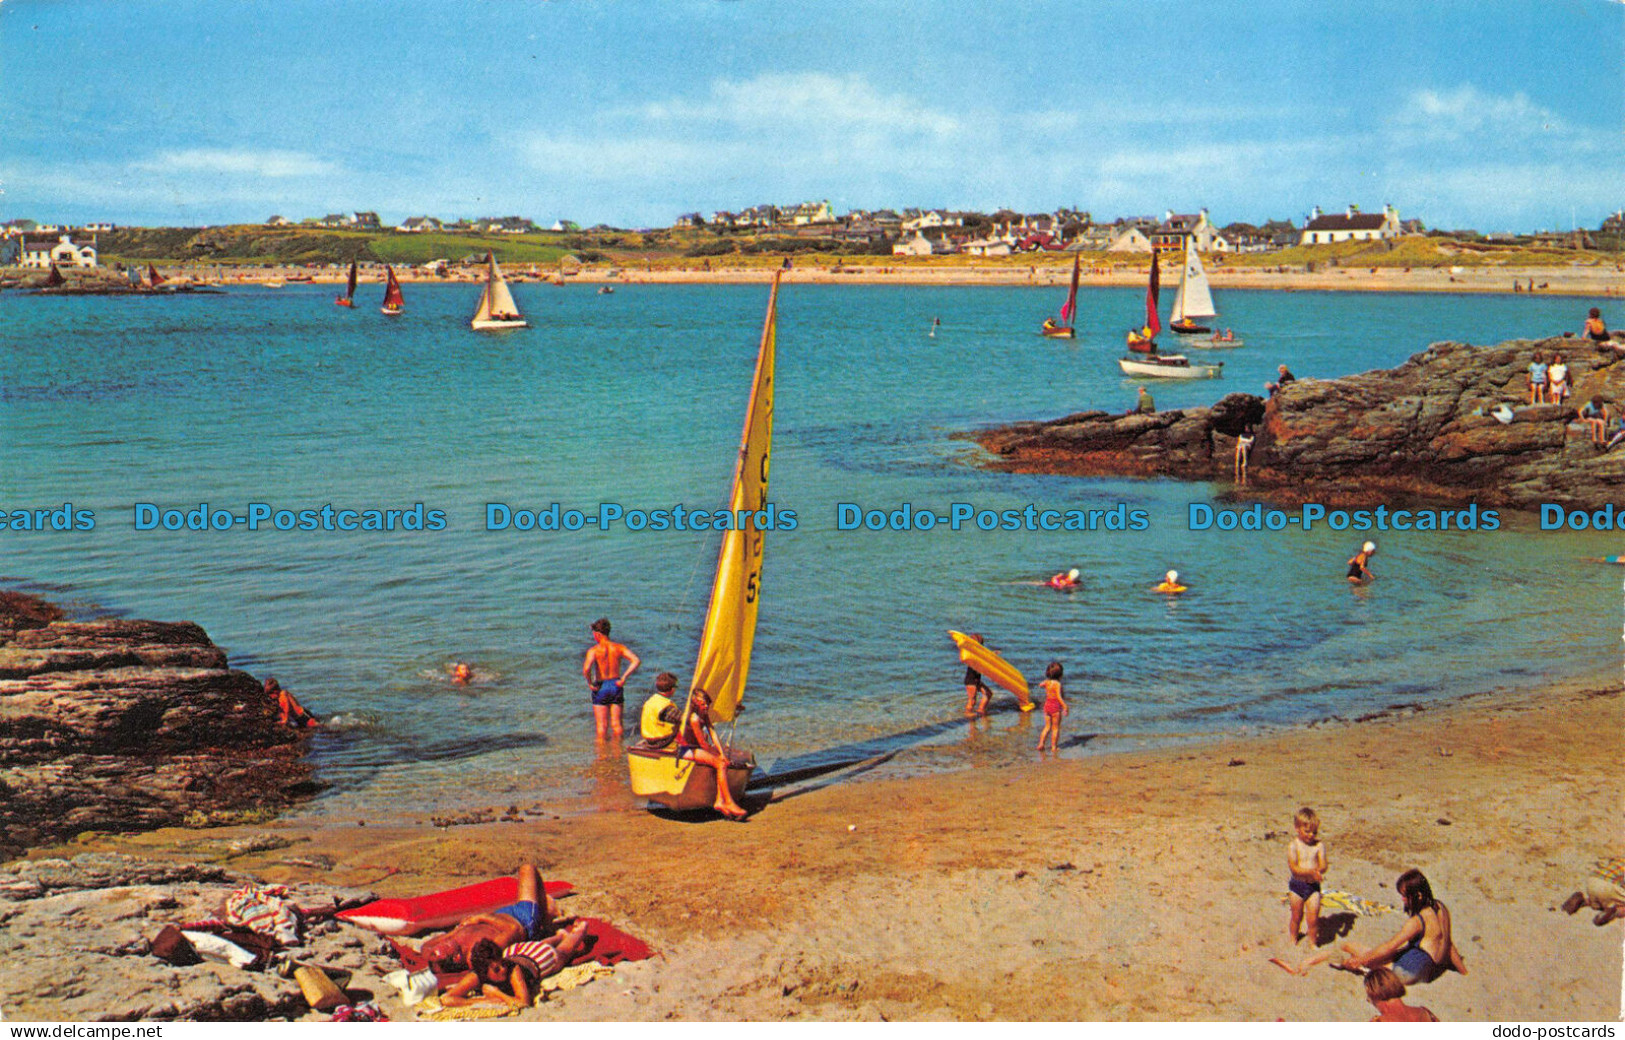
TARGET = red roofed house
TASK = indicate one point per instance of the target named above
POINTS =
(1352, 226)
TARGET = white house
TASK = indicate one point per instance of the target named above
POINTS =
(418, 225)
(813, 213)
(98, 226)
(1350, 226)
(933, 218)
(62, 250)
(919, 245)
(988, 247)
(1129, 239)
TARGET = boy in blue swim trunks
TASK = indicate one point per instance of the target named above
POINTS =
(529, 917)
(605, 658)
(1306, 860)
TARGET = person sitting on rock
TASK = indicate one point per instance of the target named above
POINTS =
(289, 711)
(1282, 379)
(1595, 330)
(1594, 414)
(1144, 403)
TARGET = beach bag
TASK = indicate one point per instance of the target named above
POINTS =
(172, 947)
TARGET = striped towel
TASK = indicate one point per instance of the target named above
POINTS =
(1611, 868)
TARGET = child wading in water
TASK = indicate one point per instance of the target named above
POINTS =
(1306, 859)
(1055, 707)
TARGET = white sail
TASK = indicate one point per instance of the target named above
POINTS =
(1194, 299)
(496, 302)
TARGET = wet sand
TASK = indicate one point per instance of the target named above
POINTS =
(1136, 885)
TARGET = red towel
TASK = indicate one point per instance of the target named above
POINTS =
(607, 944)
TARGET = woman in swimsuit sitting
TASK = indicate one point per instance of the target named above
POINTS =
(698, 742)
(1422, 949)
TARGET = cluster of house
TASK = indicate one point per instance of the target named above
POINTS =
(935, 232)
(24, 243)
(368, 221)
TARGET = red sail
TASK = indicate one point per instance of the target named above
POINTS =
(153, 277)
(392, 292)
(1071, 305)
(1152, 322)
(350, 292)
(55, 277)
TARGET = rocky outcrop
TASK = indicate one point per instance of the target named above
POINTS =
(129, 725)
(1422, 429)
(75, 937)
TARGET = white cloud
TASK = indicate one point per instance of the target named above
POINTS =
(1467, 111)
(834, 103)
(273, 164)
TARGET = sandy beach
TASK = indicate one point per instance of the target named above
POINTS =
(1591, 279)
(1140, 885)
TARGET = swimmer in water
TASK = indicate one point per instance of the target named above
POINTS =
(1170, 583)
(462, 674)
(1065, 580)
(1359, 574)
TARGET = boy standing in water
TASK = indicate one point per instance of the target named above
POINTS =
(1306, 860)
(607, 696)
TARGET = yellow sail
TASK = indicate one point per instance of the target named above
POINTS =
(730, 622)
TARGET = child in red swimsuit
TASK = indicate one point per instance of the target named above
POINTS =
(1055, 708)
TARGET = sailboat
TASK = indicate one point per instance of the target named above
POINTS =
(1144, 339)
(394, 302)
(1064, 329)
(348, 299)
(496, 309)
(154, 279)
(55, 278)
(1194, 300)
(730, 621)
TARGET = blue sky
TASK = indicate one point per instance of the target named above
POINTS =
(1486, 114)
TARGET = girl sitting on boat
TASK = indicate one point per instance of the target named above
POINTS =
(698, 742)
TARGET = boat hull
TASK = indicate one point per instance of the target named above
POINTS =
(1189, 328)
(391, 311)
(1058, 333)
(1170, 368)
(486, 324)
(660, 776)
(1214, 344)
(342, 302)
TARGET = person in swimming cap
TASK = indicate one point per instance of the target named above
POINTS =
(462, 673)
(1170, 583)
(1359, 574)
(1065, 580)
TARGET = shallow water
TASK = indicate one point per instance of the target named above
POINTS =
(276, 396)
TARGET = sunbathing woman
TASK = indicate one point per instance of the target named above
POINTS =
(1422, 950)
(520, 967)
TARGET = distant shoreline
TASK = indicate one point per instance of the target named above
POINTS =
(1550, 281)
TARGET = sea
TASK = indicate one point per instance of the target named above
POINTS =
(277, 397)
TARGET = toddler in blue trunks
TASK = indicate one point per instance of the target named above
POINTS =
(1306, 859)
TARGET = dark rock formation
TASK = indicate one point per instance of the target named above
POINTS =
(128, 725)
(1420, 429)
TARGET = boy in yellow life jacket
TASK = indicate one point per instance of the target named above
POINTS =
(661, 715)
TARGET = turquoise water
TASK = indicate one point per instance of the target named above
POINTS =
(276, 396)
